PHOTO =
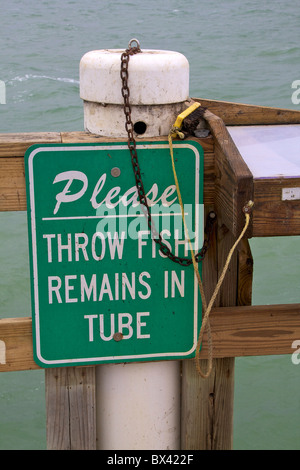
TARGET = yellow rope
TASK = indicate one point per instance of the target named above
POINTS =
(206, 308)
(212, 300)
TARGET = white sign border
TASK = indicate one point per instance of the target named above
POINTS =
(95, 360)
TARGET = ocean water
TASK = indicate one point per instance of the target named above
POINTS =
(243, 51)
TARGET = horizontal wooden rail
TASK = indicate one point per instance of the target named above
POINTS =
(240, 114)
(236, 331)
(13, 147)
(228, 182)
(272, 216)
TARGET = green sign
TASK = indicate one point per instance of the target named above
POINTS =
(101, 289)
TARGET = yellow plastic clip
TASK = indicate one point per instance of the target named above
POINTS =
(180, 118)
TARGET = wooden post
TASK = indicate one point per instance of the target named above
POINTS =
(245, 273)
(71, 411)
(207, 404)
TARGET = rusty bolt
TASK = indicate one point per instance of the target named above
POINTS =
(118, 336)
(248, 207)
(115, 172)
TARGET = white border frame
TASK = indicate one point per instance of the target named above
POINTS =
(115, 359)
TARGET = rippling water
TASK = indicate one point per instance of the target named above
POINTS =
(245, 51)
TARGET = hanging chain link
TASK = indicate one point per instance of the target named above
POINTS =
(211, 218)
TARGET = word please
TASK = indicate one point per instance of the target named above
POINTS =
(111, 199)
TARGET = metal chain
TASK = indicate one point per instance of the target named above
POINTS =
(211, 218)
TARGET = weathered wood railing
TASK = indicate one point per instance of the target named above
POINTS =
(238, 329)
(236, 332)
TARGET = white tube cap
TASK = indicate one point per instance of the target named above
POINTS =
(155, 77)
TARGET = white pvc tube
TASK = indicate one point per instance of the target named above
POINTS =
(158, 83)
(156, 77)
(138, 404)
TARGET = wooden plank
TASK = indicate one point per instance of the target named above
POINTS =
(16, 333)
(16, 144)
(254, 330)
(245, 273)
(236, 331)
(207, 403)
(209, 180)
(71, 410)
(57, 407)
(12, 173)
(271, 215)
(207, 407)
(234, 180)
(246, 114)
(74, 137)
(223, 393)
(85, 137)
(12, 184)
(196, 392)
